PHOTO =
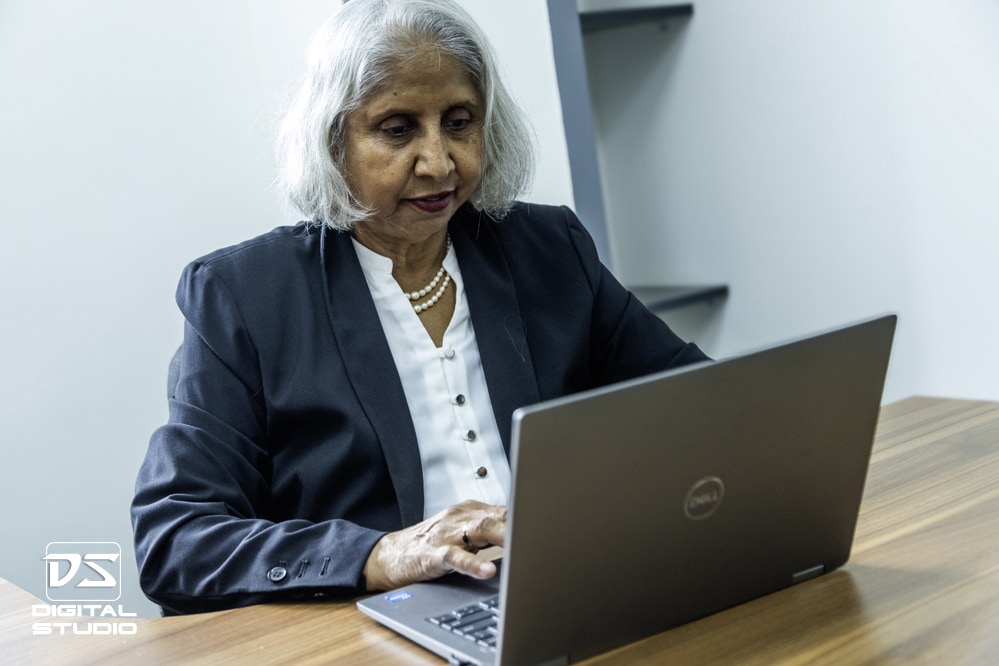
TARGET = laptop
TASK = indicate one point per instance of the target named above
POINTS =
(648, 504)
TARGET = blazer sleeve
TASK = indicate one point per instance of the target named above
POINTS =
(202, 537)
(627, 340)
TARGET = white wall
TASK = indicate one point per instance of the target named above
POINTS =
(829, 160)
(134, 137)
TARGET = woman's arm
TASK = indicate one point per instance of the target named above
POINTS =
(207, 533)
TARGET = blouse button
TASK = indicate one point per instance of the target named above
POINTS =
(447, 352)
(470, 436)
(481, 472)
(459, 399)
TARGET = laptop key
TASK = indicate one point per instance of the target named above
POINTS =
(472, 620)
(445, 621)
(467, 610)
(483, 634)
(472, 632)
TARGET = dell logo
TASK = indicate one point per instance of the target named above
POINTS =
(703, 498)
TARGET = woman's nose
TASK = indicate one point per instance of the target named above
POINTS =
(434, 156)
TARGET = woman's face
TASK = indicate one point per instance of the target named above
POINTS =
(414, 148)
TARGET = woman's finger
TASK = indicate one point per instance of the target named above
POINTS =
(462, 561)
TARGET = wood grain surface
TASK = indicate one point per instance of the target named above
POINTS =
(922, 585)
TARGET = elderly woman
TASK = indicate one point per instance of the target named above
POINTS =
(342, 417)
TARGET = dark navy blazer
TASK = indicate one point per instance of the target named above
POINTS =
(290, 449)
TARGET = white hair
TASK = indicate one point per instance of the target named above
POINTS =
(351, 55)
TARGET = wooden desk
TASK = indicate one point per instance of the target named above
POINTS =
(922, 585)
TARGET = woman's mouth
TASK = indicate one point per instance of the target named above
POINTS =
(434, 203)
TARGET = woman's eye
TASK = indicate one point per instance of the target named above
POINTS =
(396, 128)
(458, 123)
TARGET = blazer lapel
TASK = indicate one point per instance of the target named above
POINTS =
(368, 360)
(496, 319)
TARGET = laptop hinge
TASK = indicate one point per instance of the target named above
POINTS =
(807, 574)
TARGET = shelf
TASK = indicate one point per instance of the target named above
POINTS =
(568, 22)
(616, 18)
(658, 299)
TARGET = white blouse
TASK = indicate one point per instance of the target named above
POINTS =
(460, 446)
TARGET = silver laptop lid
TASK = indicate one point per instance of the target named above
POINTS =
(648, 504)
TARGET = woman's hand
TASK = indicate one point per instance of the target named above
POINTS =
(439, 545)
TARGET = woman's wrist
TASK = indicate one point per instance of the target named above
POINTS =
(372, 576)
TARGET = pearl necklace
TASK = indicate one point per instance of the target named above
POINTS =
(432, 301)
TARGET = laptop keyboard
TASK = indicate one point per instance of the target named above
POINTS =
(477, 622)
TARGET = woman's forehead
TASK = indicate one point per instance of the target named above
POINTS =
(427, 76)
